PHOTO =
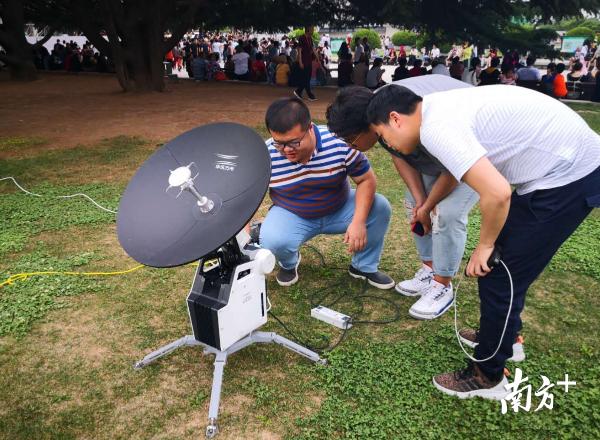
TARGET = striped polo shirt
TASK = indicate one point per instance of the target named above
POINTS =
(320, 186)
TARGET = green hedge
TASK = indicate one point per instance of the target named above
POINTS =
(297, 33)
(404, 38)
(581, 31)
(372, 37)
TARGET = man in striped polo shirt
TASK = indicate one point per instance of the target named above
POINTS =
(493, 137)
(311, 195)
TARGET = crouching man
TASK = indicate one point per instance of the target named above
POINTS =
(311, 195)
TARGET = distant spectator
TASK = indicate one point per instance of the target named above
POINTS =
(359, 50)
(438, 68)
(507, 76)
(491, 75)
(240, 61)
(345, 68)
(401, 71)
(471, 76)
(343, 51)
(282, 73)
(375, 74)
(212, 67)
(529, 73)
(229, 67)
(199, 67)
(548, 79)
(359, 74)
(418, 69)
(576, 73)
(596, 95)
(456, 68)
(259, 69)
(560, 86)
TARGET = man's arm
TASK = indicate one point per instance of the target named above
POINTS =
(443, 186)
(494, 202)
(412, 178)
(356, 234)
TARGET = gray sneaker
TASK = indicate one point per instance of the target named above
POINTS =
(288, 277)
(377, 279)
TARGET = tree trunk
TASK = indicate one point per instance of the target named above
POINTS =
(19, 57)
(23, 71)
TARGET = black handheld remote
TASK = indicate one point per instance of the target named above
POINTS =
(494, 259)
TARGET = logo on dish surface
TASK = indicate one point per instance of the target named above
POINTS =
(225, 162)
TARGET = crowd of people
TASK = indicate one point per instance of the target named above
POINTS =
(300, 62)
(69, 56)
(219, 56)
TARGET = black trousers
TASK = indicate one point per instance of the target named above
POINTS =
(304, 80)
(537, 225)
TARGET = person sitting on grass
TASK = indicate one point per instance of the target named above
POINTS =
(311, 195)
(559, 84)
(374, 80)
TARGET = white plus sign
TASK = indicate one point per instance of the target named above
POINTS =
(566, 383)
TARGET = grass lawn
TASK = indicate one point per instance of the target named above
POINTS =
(67, 344)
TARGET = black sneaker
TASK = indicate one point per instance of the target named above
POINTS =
(297, 95)
(378, 279)
(312, 98)
(471, 382)
(288, 277)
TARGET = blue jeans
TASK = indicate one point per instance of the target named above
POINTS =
(283, 232)
(445, 244)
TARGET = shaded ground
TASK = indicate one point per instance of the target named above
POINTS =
(71, 109)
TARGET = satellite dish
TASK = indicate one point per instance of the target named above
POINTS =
(193, 195)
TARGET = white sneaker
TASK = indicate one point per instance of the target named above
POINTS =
(418, 284)
(434, 301)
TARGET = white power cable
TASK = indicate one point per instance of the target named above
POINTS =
(505, 322)
(59, 197)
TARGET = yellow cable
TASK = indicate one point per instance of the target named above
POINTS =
(23, 276)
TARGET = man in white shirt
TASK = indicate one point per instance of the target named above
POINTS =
(240, 62)
(435, 52)
(358, 50)
(491, 138)
(529, 73)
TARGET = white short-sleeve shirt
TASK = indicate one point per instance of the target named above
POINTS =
(535, 141)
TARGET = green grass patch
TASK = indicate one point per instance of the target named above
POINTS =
(24, 302)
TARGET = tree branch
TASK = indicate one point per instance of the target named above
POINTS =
(178, 31)
(41, 42)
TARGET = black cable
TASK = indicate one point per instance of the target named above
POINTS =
(344, 296)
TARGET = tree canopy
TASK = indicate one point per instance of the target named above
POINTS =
(131, 32)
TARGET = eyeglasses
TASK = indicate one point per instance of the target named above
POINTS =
(353, 142)
(293, 145)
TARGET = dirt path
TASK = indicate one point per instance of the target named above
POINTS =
(81, 109)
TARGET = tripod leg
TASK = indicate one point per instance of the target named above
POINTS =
(290, 345)
(215, 394)
(163, 351)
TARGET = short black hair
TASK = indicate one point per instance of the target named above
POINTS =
(560, 68)
(285, 113)
(530, 60)
(391, 98)
(347, 115)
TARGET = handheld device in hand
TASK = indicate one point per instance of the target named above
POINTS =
(494, 259)
(417, 228)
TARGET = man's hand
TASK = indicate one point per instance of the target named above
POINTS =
(477, 266)
(356, 237)
(422, 215)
